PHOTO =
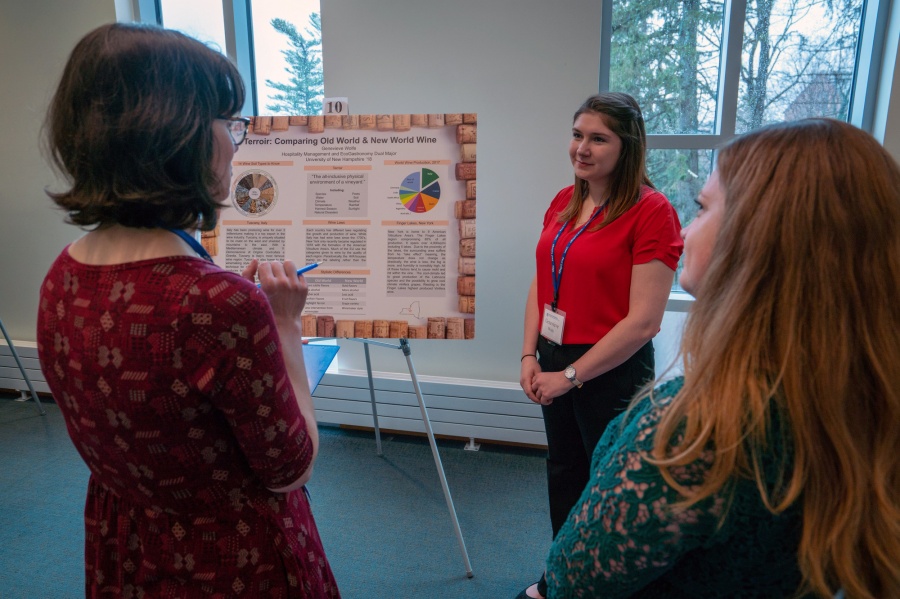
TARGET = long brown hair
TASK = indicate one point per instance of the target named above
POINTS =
(797, 321)
(621, 113)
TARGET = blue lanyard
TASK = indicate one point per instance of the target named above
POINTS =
(195, 245)
(557, 276)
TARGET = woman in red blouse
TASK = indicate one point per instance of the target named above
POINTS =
(182, 385)
(606, 260)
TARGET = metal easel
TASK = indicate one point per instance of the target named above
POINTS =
(407, 352)
(15, 354)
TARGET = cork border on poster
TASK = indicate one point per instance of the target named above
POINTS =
(452, 326)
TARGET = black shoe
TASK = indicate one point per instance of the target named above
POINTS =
(541, 589)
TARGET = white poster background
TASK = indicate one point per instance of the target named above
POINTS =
(348, 199)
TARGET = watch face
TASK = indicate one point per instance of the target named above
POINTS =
(569, 372)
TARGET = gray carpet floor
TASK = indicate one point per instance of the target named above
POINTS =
(384, 521)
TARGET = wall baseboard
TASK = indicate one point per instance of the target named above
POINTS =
(466, 408)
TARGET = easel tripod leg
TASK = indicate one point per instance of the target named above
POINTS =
(372, 396)
(404, 345)
(15, 354)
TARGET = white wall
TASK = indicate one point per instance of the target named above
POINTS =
(35, 41)
(522, 65)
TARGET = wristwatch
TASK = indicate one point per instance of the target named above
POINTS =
(569, 372)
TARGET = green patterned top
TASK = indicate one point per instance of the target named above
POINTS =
(621, 540)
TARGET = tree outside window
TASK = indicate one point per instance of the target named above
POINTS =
(798, 59)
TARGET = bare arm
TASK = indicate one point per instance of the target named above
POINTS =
(287, 296)
(650, 286)
(530, 367)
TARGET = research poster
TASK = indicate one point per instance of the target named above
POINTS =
(385, 203)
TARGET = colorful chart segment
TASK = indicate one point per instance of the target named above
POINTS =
(420, 191)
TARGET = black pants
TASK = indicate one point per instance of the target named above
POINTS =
(575, 421)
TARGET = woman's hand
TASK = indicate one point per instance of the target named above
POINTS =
(279, 281)
(547, 386)
(530, 369)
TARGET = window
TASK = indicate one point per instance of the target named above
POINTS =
(704, 71)
(277, 45)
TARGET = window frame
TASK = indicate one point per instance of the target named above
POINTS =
(238, 17)
(869, 96)
(864, 99)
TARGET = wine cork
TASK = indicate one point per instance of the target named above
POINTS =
(465, 171)
(211, 245)
(308, 324)
(384, 122)
(364, 329)
(344, 329)
(435, 121)
(325, 326)
(466, 266)
(464, 209)
(465, 285)
(466, 134)
(437, 327)
(467, 152)
(401, 122)
(210, 240)
(334, 121)
(418, 120)
(297, 120)
(467, 228)
(455, 328)
(399, 329)
(262, 125)
(367, 121)
(470, 118)
(470, 189)
(316, 124)
(452, 119)
(417, 331)
(350, 121)
(467, 304)
(469, 328)
(467, 247)
(280, 123)
(381, 329)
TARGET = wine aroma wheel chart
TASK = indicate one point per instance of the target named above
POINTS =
(420, 191)
(254, 193)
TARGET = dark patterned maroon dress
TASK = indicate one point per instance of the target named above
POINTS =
(171, 379)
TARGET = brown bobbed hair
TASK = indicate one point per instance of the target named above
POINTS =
(130, 125)
(794, 333)
(621, 113)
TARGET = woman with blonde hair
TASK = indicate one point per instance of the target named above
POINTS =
(770, 468)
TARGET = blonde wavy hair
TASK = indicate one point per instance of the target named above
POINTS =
(797, 322)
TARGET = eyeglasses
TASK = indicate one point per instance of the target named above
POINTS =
(237, 128)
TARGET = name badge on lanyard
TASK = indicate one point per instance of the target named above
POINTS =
(554, 322)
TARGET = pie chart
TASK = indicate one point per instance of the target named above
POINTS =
(420, 191)
(254, 193)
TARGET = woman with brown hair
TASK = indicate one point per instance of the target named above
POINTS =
(605, 262)
(770, 468)
(182, 385)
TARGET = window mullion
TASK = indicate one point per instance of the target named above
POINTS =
(869, 57)
(682, 141)
(605, 43)
(239, 47)
(730, 67)
(147, 11)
